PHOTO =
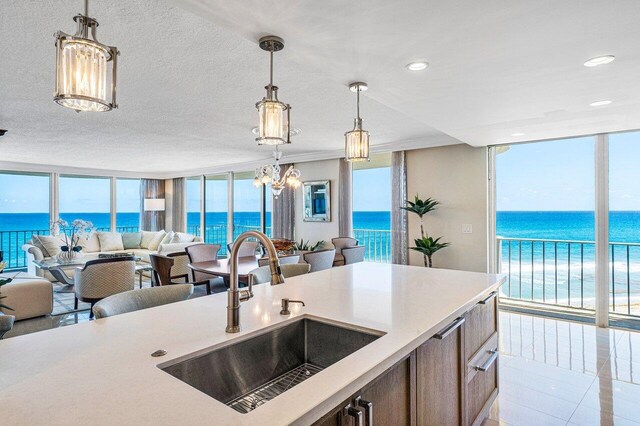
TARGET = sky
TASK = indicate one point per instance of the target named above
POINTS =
(559, 175)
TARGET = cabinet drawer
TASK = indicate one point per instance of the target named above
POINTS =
(482, 380)
(481, 323)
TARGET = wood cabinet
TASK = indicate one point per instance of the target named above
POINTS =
(439, 377)
(451, 379)
(387, 400)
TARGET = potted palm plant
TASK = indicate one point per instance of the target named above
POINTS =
(426, 245)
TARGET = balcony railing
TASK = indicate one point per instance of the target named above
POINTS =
(378, 243)
(11, 243)
(562, 273)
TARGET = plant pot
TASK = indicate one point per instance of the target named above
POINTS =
(69, 256)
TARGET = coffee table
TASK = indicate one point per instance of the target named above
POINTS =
(57, 269)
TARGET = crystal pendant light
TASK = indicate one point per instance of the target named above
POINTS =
(273, 127)
(84, 79)
(270, 174)
(356, 141)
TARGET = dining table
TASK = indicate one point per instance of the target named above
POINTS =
(222, 267)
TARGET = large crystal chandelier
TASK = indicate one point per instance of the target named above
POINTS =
(356, 141)
(84, 79)
(269, 174)
(273, 127)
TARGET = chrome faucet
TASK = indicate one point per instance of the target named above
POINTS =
(235, 296)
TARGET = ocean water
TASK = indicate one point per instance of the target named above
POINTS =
(563, 272)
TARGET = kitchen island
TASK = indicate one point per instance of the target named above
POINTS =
(102, 372)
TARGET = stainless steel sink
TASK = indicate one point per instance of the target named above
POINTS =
(249, 373)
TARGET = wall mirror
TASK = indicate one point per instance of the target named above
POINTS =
(317, 201)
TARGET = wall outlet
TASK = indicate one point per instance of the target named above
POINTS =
(467, 228)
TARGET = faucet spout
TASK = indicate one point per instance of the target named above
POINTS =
(234, 295)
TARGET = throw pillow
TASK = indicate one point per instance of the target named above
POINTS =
(50, 243)
(110, 241)
(153, 245)
(131, 240)
(35, 241)
(91, 244)
(181, 237)
(167, 237)
(147, 237)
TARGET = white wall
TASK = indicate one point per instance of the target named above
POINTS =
(316, 231)
(456, 176)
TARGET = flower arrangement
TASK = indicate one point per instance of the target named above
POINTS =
(73, 234)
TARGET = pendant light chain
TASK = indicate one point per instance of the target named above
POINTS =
(86, 8)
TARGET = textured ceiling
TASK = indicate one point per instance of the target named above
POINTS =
(496, 67)
(190, 73)
(187, 92)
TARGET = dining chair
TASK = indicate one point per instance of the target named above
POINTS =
(247, 248)
(144, 298)
(101, 278)
(205, 253)
(353, 254)
(341, 243)
(163, 265)
(284, 260)
(263, 274)
(320, 260)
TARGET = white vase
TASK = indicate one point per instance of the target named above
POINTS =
(69, 256)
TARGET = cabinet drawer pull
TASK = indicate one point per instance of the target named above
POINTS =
(368, 410)
(348, 410)
(449, 329)
(489, 297)
(488, 362)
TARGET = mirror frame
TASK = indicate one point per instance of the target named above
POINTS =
(307, 216)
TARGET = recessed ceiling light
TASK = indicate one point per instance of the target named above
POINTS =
(599, 60)
(417, 66)
(517, 134)
(599, 103)
(294, 131)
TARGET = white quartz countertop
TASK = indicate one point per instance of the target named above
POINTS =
(101, 372)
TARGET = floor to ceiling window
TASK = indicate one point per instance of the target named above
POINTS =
(194, 207)
(127, 204)
(87, 198)
(246, 203)
(268, 209)
(545, 197)
(22, 213)
(624, 224)
(216, 208)
(372, 206)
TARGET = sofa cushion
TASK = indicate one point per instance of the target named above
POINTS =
(131, 240)
(181, 237)
(143, 254)
(110, 241)
(173, 247)
(147, 237)
(155, 242)
(50, 244)
(91, 244)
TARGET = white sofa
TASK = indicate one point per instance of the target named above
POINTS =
(99, 242)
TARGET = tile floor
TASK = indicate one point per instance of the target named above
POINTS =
(555, 372)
